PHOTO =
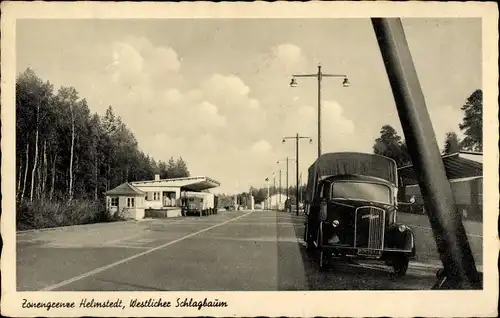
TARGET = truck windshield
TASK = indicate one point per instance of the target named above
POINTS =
(361, 191)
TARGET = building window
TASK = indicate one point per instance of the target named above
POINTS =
(130, 202)
(114, 202)
(153, 196)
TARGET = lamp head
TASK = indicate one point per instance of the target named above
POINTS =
(412, 199)
(293, 82)
(346, 82)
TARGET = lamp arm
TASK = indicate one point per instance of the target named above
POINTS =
(334, 75)
(305, 75)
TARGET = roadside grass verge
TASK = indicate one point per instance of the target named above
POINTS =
(40, 214)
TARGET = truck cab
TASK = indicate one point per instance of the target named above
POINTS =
(352, 211)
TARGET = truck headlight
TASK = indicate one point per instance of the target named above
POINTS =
(402, 228)
(335, 223)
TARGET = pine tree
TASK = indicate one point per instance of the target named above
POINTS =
(451, 143)
(472, 123)
(181, 169)
(390, 144)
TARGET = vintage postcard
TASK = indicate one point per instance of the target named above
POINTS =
(249, 159)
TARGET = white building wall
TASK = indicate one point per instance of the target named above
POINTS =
(134, 213)
(461, 189)
(158, 204)
(276, 201)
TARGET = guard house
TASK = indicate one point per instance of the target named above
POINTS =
(163, 196)
(465, 173)
(125, 201)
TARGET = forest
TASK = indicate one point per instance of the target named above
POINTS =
(67, 157)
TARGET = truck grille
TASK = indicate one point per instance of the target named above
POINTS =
(369, 230)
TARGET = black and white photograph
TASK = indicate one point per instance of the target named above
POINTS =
(161, 160)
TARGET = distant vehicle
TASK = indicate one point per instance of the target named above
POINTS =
(198, 203)
(353, 211)
(291, 206)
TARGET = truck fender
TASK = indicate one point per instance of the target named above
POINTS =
(401, 240)
(409, 242)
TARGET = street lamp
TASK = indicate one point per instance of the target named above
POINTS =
(297, 138)
(319, 75)
(274, 186)
(287, 187)
(267, 201)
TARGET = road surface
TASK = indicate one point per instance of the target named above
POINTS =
(230, 251)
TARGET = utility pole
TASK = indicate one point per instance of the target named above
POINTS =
(319, 76)
(267, 185)
(287, 186)
(300, 184)
(274, 188)
(297, 138)
(279, 188)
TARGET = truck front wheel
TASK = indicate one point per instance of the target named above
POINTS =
(400, 265)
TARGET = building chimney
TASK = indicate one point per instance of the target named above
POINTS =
(157, 176)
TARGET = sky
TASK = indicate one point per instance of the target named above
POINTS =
(216, 91)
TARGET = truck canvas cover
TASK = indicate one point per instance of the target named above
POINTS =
(354, 163)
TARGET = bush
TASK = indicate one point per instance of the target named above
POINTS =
(45, 214)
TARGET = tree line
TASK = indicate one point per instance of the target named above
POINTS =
(260, 195)
(391, 145)
(65, 152)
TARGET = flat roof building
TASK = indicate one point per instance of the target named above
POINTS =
(156, 194)
(464, 171)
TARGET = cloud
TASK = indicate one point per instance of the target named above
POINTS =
(208, 115)
(218, 120)
(172, 96)
(219, 125)
(335, 126)
(127, 63)
(446, 119)
(136, 60)
(261, 147)
(287, 53)
(219, 83)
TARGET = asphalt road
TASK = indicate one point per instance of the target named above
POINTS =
(230, 251)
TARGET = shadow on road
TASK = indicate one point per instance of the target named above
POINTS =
(129, 286)
(293, 259)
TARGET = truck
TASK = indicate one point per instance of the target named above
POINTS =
(352, 211)
(198, 203)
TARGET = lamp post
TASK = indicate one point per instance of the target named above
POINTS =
(279, 189)
(287, 187)
(267, 185)
(319, 76)
(274, 186)
(297, 138)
